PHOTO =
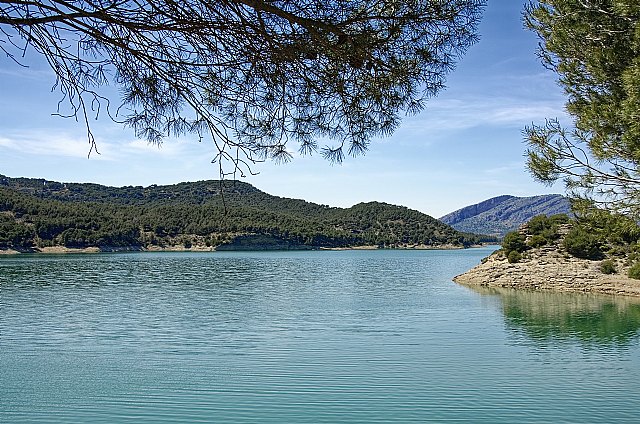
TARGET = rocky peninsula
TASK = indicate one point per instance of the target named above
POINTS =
(547, 269)
(552, 268)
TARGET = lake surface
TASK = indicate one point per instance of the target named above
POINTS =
(295, 337)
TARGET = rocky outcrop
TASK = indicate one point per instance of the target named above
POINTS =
(499, 215)
(473, 210)
(550, 268)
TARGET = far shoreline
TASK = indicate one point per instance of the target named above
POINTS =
(60, 250)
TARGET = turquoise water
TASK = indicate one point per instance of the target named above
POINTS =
(294, 337)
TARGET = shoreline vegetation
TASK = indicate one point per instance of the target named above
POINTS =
(41, 216)
(548, 270)
(56, 250)
(599, 254)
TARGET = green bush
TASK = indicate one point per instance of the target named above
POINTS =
(634, 271)
(514, 256)
(537, 224)
(583, 244)
(543, 229)
(513, 241)
(634, 253)
(547, 225)
(608, 267)
(537, 240)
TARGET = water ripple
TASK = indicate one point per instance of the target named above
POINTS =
(369, 337)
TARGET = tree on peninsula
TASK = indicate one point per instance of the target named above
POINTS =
(594, 47)
(255, 76)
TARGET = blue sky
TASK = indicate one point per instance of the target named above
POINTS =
(465, 147)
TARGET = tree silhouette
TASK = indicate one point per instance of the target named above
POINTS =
(257, 77)
(593, 46)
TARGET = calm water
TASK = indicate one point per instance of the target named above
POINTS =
(350, 336)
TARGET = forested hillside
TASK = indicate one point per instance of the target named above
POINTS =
(499, 215)
(229, 215)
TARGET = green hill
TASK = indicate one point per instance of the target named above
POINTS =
(36, 213)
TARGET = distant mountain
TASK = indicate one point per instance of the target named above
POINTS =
(499, 215)
(36, 213)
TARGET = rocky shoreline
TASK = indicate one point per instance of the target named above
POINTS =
(202, 248)
(550, 269)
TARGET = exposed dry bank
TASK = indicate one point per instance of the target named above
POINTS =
(550, 267)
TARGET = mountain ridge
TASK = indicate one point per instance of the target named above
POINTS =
(499, 215)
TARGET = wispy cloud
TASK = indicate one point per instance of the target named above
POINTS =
(170, 148)
(506, 169)
(46, 143)
(26, 72)
(503, 111)
(457, 115)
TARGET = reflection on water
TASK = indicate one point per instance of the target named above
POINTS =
(591, 319)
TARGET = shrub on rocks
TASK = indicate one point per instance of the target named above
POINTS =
(537, 240)
(608, 267)
(583, 244)
(634, 271)
(544, 229)
(514, 257)
(514, 241)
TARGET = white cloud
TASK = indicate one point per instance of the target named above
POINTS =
(5, 142)
(28, 73)
(144, 147)
(453, 115)
(509, 169)
(521, 114)
(49, 143)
